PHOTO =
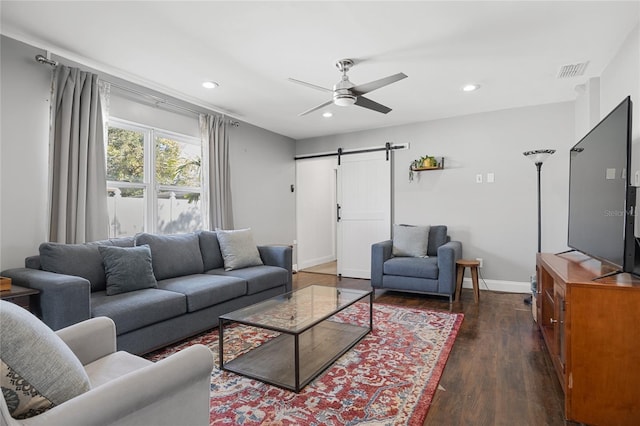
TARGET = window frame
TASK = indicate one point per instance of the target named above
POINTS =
(149, 184)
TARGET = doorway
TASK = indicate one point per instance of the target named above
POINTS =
(341, 210)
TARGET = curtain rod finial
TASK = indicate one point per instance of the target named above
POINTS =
(44, 60)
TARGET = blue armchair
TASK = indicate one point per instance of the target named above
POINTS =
(434, 274)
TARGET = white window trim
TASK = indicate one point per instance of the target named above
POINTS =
(149, 185)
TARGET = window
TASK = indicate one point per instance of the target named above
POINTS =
(153, 180)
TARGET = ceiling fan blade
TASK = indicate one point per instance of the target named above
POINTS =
(315, 108)
(361, 89)
(368, 103)
(313, 86)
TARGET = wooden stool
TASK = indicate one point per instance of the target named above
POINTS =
(473, 265)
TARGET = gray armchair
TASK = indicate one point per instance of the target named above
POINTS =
(435, 274)
(126, 389)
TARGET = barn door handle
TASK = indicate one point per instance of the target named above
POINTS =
(338, 212)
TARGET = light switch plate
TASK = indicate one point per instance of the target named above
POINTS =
(478, 178)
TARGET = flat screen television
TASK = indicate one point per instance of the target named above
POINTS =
(601, 198)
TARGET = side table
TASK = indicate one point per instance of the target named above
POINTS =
(19, 295)
(473, 265)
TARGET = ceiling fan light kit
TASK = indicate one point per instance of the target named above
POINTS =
(345, 93)
(344, 99)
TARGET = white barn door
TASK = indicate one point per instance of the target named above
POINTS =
(364, 210)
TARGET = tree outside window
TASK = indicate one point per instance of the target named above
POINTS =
(153, 179)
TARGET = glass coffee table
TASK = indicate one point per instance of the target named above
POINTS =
(311, 336)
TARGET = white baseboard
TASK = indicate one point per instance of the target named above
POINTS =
(317, 261)
(500, 285)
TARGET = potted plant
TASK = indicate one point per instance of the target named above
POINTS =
(424, 162)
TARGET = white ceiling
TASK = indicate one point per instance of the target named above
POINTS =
(513, 49)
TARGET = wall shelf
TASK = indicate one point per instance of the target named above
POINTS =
(440, 166)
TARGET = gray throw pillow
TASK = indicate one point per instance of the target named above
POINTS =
(238, 249)
(174, 255)
(38, 370)
(127, 268)
(410, 241)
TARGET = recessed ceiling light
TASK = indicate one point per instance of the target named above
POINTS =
(327, 114)
(210, 84)
(470, 87)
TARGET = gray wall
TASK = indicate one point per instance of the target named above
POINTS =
(262, 172)
(262, 162)
(495, 221)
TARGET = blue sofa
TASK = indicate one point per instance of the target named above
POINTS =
(435, 274)
(193, 287)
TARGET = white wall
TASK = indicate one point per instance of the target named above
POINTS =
(24, 152)
(621, 78)
(316, 211)
(126, 107)
(262, 162)
(495, 221)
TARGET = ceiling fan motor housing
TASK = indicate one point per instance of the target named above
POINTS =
(342, 95)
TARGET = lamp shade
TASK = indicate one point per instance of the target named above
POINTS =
(539, 155)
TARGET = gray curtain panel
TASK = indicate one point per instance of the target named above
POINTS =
(216, 172)
(78, 170)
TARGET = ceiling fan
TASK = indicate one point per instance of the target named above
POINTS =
(345, 93)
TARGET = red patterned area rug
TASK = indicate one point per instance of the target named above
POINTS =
(388, 378)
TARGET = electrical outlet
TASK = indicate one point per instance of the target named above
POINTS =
(479, 259)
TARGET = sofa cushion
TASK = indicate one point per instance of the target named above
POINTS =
(82, 260)
(127, 268)
(419, 267)
(238, 249)
(173, 255)
(437, 237)
(39, 371)
(259, 278)
(204, 290)
(210, 248)
(137, 309)
(410, 240)
(123, 241)
(420, 285)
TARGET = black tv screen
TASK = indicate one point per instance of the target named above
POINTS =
(601, 198)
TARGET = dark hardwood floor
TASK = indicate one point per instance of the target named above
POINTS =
(498, 373)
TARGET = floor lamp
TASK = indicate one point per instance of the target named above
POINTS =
(538, 157)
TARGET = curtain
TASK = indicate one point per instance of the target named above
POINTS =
(216, 173)
(78, 211)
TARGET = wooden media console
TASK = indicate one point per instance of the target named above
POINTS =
(591, 328)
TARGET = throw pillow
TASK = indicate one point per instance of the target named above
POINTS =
(174, 255)
(127, 268)
(410, 241)
(38, 370)
(238, 249)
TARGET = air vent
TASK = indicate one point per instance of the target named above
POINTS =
(572, 70)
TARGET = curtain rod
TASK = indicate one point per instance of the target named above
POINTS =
(44, 60)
